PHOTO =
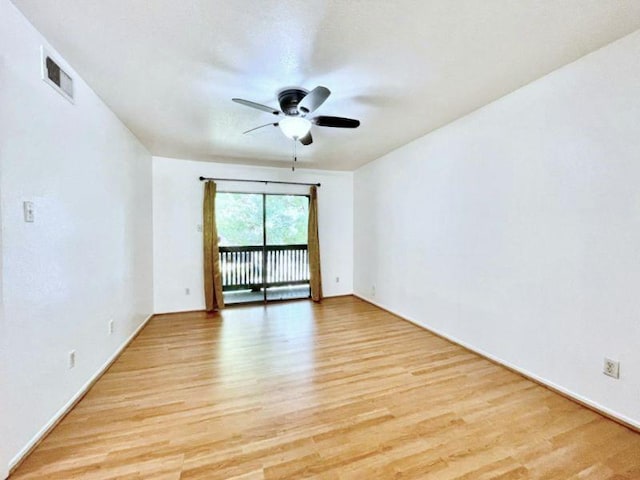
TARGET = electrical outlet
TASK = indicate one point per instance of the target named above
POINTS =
(611, 368)
(187, 291)
(337, 279)
(110, 327)
(72, 359)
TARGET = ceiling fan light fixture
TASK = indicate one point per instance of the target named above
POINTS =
(295, 127)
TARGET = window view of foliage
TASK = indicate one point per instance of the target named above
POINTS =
(287, 218)
(239, 219)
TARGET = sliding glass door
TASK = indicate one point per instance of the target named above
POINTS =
(286, 247)
(263, 246)
(240, 219)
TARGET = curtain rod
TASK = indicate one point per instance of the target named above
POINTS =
(202, 179)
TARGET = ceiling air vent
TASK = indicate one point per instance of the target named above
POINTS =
(56, 76)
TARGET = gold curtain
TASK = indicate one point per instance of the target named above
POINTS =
(314, 247)
(212, 277)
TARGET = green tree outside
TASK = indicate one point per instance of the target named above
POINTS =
(239, 219)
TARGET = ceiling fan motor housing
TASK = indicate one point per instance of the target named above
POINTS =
(289, 100)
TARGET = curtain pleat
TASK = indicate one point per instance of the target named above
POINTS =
(212, 276)
(315, 280)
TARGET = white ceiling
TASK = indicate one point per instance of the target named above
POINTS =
(169, 68)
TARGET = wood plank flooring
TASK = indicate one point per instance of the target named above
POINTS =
(341, 390)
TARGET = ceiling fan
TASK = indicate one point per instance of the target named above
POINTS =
(295, 106)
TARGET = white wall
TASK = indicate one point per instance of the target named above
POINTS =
(5, 455)
(177, 212)
(88, 256)
(516, 230)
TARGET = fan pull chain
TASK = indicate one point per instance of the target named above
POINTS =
(295, 155)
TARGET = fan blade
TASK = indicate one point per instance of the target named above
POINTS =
(259, 106)
(307, 139)
(313, 99)
(265, 125)
(338, 122)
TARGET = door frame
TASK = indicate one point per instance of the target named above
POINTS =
(264, 195)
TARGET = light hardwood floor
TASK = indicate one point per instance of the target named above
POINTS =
(339, 390)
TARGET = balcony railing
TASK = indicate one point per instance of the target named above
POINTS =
(242, 267)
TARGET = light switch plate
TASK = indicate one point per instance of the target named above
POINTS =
(29, 214)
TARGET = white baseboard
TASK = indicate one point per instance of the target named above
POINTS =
(249, 304)
(337, 295)
(27, 449)
(633, 424)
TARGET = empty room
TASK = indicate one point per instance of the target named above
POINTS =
(324, 239)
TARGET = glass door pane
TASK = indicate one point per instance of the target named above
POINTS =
(239, 217)
(287, 262)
